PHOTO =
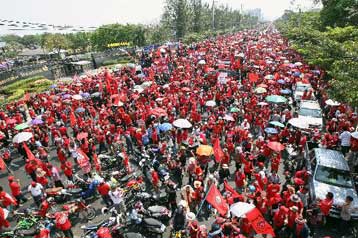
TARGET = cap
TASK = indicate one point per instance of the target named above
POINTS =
(11, 178)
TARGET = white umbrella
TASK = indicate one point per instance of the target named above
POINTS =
(269, 76)
(355, 134)
(298, 64)
(182, 123)
(330, 102)
(262, 104)
(210, 103)
(22, 136)
(138, 88)
(146, 84)
(242, 55)
(77, 97)
(201, 62)
(239, 209)
(229, 118)
(299, 123)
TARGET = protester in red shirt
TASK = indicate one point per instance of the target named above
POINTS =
(63, 223)
(16, 190)
(103, 189)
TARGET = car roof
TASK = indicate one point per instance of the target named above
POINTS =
(303, 84)
(310, 104)
(331, 159)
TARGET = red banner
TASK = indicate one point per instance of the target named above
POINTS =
(218, 152)
(258, 223)
(215, 198)
(232, 191)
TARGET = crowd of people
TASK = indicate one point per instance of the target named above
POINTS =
(203, 111)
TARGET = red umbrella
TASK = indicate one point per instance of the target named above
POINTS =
(158, 112)
(10, 121)
(262, 85)
(186, 89)
(275, 146)
(82, 135)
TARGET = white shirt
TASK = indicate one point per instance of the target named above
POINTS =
(116, 196)
(35, 191)
(345, 138)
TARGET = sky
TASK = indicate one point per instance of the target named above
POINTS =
(98, 12)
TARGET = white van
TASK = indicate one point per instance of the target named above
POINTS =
(310, 112)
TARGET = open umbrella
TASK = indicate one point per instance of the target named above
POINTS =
(21, 126)
(260, 90)
(355, 134)
(276, 99)
(204, 150)
(77, 97)
(271, 130)
(299, 123)
(85, 95)
(96, 95)
(182, 123)
(262, 104)
(37, 121)
(80, 109)
(21, 137)
(275, 146)
(201, 62)
(82, 135)
(210, 103)
(285, 91)
(239, 209)
(159, 112)
(281, 81)
(234, 109)
(269, 76)
(229, 118)
(332, 103)
(277, 123)
(165, 127)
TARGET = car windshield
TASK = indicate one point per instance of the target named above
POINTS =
(307, 112)
(340, 178)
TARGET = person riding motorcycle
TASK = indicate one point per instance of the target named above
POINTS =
(179, 219)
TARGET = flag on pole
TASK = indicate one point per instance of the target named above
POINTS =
(218, 152)
(72, 119)
(215, 198)
(258, 222)
(29, 154)
(232, 191)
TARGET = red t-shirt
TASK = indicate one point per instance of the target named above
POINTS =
(103, 189)
(15, 188)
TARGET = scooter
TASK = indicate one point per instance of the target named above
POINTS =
(146, 225)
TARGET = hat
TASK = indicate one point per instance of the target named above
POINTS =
(190, 216)
(294, 209)
(225, 166)
(11, 178)
(295, 198)
(192, 160)
(33, 184)
(197, 184)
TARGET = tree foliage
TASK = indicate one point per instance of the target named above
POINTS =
(333, 49)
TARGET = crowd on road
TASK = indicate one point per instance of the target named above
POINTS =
(196, 132)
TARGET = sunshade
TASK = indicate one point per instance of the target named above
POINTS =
(260, 90)
(228, 118)
(158, 112)
(285, 91)
(234, 109)
(276, 99)
(269, 76)
(204, 150)
(21, 126)
(202, 62)
(355, 134)
(21, 137)
(277, 123)
(275, 146)
(262, 104)
(210, 103)
(239, 209)
(182, 123)
(165, 127)
(82, 135)
(77, 97)
(80, 109)
(271, 130)
(37, 121)
(330, 102)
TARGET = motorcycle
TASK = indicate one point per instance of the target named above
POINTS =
(78, 207)
(61, 195)
(148, 199)
(146, 225)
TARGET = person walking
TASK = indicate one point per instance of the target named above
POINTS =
(37, 192)
(15, 188)
(345, 138)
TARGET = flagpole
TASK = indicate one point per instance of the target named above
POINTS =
(202, 201)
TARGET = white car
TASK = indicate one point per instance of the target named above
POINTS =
(310, 112)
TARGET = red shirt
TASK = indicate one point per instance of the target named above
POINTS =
(15, 188)
(103, 189)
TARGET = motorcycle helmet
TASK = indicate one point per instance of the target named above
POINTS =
(252, 188)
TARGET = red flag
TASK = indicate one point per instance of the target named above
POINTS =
(97, 165)
(72, 119)
(232, 191)
(218, 152)
(253, 77)
(258, 222)
(29, 154)
(2, 164)
(215, 198)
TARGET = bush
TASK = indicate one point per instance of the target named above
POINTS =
(18, 94)
(20, 84)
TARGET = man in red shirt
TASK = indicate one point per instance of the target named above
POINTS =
(7, 200)
(63, 223)
(16, 190)
(103, 189)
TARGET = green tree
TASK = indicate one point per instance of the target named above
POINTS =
(79, 41)
(339, 12)
(176, 14)
(55, 42)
